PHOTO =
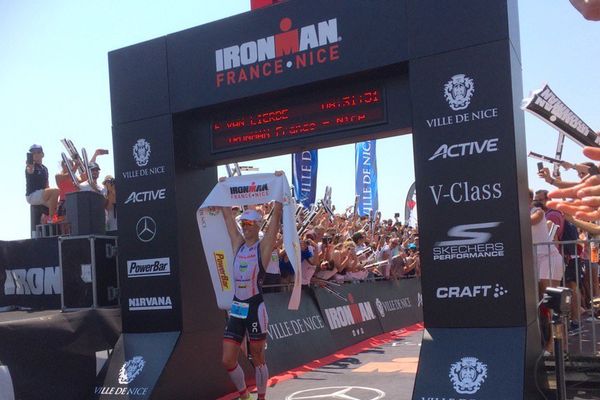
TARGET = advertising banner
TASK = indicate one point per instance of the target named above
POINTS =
(548, 107)
(399, 303)
(366, 177)
(304, 176)
(30, 274)
(473, 364)
(295, 337)
(353, 319)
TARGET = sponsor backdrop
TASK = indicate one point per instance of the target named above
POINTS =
(462, 105)
(30, 274)
(304, 176)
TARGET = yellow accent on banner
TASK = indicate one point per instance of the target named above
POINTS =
(222, 269)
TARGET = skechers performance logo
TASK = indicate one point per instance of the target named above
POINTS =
(150, 303)
(474, 242)
(288, 49)
(466, 149)
(149, 267)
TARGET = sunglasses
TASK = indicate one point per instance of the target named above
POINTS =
(248, 222)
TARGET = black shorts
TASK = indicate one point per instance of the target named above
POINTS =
(254, 325)
(570, 275)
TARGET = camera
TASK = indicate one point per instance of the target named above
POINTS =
(558, 299)
(540, 166)
(109, 181)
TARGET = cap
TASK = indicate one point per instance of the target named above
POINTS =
(36, 147)
(412, 246)
(94, 165)
(251, 215)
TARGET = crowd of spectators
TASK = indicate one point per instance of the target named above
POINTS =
(39, 193)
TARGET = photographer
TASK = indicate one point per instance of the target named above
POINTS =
(38, 191)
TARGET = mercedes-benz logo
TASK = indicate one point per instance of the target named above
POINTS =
(338, 392)
(145, 229)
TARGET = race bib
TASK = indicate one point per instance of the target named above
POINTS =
(239, 309)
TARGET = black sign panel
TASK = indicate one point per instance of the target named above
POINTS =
(147, 229)
(30, 274)
(470, 241)
(295, 337)
(135, 365)
(280, 47)
(354, 319)
(473, 364)
(399, 303)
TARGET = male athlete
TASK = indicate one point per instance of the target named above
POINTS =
(248, 315)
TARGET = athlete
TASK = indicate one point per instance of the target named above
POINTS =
(248, 315)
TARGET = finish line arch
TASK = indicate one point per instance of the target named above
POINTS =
(342, 72)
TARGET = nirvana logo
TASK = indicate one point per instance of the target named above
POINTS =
(458, 92)
(290, 49)
(251, 191)
(150, 303)
(467, 375)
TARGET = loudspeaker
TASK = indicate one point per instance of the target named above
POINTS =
(85, 213)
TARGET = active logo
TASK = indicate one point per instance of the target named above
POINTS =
(148, 195)
(466, 149)
(145, 229)
(465, 192)
(476, 291)
(150, 303)
(141, 152)
(458, 91)
(467, 375)
(299, 48)
(222, 270)
(131, 369)
(474, 242)
(149, 267)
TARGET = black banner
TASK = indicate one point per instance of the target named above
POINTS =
(546, 105)
(399, 303)
(296, 337)
(353, 320)
(473, 364)
(135, 365)
(30, 274)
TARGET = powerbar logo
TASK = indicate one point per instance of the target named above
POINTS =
(224, 276)
(473, 243)
(342, 316)
(251, 191)
(465, 149)
(299, 48)
(150, 303)
(149, 267)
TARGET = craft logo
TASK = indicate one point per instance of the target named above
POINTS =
(290, 49)
(148, 195)
(141, 155)
(149, 267)
(458, 92)
(476, 291)
(141, 152)
(150, 303)
(33, 281)
(474, 242)
(248, 192)
(465, 192)
(130, 370)
(221, 263)
(351, 314)
(465, 149)
(467, 375)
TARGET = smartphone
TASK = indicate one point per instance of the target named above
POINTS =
(103, 152)
(29, 158)
(540, 166)
(397, 215)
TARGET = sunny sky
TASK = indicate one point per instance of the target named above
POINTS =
(54, 85)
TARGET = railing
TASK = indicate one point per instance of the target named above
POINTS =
(552, 265)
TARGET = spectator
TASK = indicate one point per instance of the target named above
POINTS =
(38, 191)
(65, 186)
(110, 205)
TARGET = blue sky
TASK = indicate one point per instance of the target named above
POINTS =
(54, 84)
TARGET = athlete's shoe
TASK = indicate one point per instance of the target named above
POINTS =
(246, 397)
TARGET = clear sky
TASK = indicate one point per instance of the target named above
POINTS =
(54, 85)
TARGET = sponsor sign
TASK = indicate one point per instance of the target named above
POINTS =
(469, 241)
(223, 270)
(474, 291)
(149, 267)
(146, 229)
(459, 150)
(141, 153)
(465, 192)
(470, 364)
(145, 196)
(398, 303)
(150, 303)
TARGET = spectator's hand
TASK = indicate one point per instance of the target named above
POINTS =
(544, 173)
(222, 179)
(100, 152)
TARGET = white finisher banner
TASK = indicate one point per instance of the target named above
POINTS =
(241, 191)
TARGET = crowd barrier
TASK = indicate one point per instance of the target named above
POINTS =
(581, 273)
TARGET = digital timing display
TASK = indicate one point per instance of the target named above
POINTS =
(310, 115)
